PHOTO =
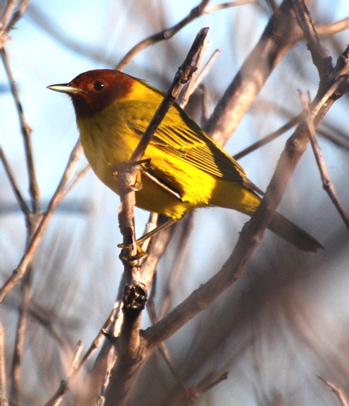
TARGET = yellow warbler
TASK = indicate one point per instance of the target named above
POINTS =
(185, 170)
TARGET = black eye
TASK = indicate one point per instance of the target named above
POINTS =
(98, 85)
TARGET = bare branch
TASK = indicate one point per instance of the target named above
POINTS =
(22, 267)
(21, 202)
(337, 391)
(78, 364)
(26, 132)
(279, 36)
(272, 136)
(63, 389)
(229, 4)
(321, 57)
(198, 78)
(11, 14)
(210, 381)
(3, 386)
(325, 177)
(21, 331)
(327, 30)
(168, 33)
(186, 225)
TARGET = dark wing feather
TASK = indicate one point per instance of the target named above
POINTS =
(181, 137)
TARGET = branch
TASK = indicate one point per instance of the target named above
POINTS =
(168, 33)
(20, 200)
(3, 385)
(325, 177)
(11, 14)
(77, 365)
(338, 392)
(326, 30)
(26, 132)
(321, 57)
(198, 78)
(24, 263)
(281, 33)
(269, 138)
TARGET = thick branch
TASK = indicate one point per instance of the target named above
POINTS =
(279, 36)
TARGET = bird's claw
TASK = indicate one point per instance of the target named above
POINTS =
(132, 259)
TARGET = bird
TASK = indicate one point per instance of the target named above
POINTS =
(183, 168)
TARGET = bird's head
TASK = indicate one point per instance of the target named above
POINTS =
(95, 90)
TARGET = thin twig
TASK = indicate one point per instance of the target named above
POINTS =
(325, 176)
(7, 13)
(321, 57)
(21, 330)
(22, 267)
(210, 381)
(32, 219)
(201, 9)
(107, 357)
(186, 227)
(78, 176)
(229, 4)
(337, 391)
(198, 78)
(11, 14)
(156, 250)
(271, 137)
(3, 386)
(190, 87)
(26, 133)
(79, 362)
(162, 347)
(21, 202)
(327, 30)
(63, 389)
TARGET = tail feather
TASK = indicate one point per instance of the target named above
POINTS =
(285, 229)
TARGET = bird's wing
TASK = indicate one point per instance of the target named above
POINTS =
(181, 137)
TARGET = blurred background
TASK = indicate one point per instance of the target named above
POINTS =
(285, 322)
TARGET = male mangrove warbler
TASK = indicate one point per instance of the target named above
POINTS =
(185, 169)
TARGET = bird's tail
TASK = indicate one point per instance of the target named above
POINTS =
(233, 196)
(287, 230)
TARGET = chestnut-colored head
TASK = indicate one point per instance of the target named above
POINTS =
(95, 90)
